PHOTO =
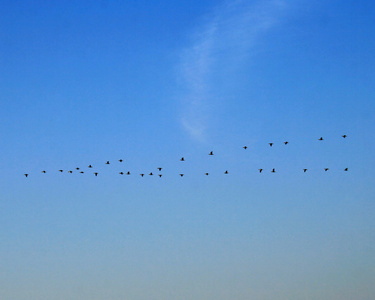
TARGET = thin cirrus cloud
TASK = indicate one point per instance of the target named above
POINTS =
(219, 45)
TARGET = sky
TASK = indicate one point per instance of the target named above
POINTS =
(149, 82)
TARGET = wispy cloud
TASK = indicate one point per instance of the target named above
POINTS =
(228, 36)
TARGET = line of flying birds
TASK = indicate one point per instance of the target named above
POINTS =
(183, 159)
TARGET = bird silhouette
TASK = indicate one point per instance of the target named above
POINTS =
(160, 175)
(121, 173)
(43, 171)
(181, 175)
(270, 144)
(77, 168)
(206, 174)
(182, 159)
(245, 147)
(142, 175)
(260, 170)
(81, 172)
(120, 160)
(70, 172)
(211, 153)
(151, 174)
(26, 175)
(159, 169)
(346, 169)
(304, 170)
(128, 173)
(96, 173)
(286, 142)
(321, 139)
(344, 136)
(226, 172)
(273, 171)
(90, 166)
(326, 169)
(60, 171)
(107, 163)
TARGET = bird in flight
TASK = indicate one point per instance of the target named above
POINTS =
(160, 175)
(304, 170)
(43, 171)
(70, 172)
(182, 159)
(107, 163)
(273, 171)
(77, 168)
(181, 175)
(90, 166)
(321, 138)
(226, 172)
(120, 160)
(211, 153)
(60, 171)
(206, 174)
(346, 169)
(270, 144)
(159, 169)
(260, 170)
(96, 174)
(121, 173)
(151, 174)
(344, 136)
(26, 175)
(245, 147)
(142, 174)
(128, 173)
(326, 169)
(81, 172)
(286, 142)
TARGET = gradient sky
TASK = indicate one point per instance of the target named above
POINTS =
(83, 82)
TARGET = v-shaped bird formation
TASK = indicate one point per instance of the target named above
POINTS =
(182, 159)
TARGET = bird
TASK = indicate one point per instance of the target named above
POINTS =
(26, 175)
(226, 172)
(90, 166)
(326, 169)
(286, 142)
(77, 168)
(81, 172)
(107, 163)
(211, 153)
(182, 159)
(273, 171)
(344, 136)
(43, 171)
(181, 175)
(270, 144)
(70, 171)
(206, 174)
(245, 147)
(151, 174)
(60, 171)
(159, 169)
(160, 175)
(346, 169)
(120, 160)
(96, 174)
(304, 170)
(260, 170)
(121, 173)
(321, 138)
(128, 173)
(142, 175)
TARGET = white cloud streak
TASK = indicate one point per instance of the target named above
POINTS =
(228, 36)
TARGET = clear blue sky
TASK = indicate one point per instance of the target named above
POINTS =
(83, 82)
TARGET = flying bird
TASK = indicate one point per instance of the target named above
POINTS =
(304, 170)
(273, 171)
(151, 174)
(321, 139)
(120, 160)
(128, 173)
(142, 175)
(206, 174)
(90, 166)
(326, 169)
(226, 172)
(77, 168)
(346, 169)
(270, 144)
(81, 172)
(344, 136)
(245, 147)
(260, 170)
(182, 159)
(60, 171)
(43, 171)
(160, 175)
(107, 163)
(70, 171)
(211, 153)
(286, 142)
(159, 169)
(181, 175)
(26, 175)
(96, 174)
(121, 173)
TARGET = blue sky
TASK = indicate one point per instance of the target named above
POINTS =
(83, 82)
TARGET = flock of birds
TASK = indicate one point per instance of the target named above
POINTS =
(182, 159)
